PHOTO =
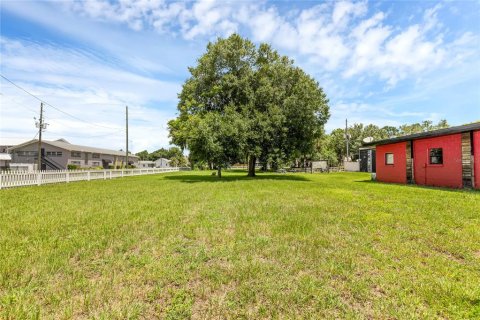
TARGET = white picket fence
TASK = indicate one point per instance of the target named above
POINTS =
(10, 179)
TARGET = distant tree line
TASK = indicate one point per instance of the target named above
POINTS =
(174, 154)
(331, 146)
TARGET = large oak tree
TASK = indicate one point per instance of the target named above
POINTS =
(244, 102)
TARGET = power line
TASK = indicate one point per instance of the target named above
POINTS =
(87, 137)
(21, 105)
(59, 110)
(61, 120)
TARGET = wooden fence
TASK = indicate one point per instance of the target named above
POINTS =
(10, 179)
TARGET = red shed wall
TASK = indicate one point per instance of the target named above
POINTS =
(448, 174)
(476, 158)
(398, 171)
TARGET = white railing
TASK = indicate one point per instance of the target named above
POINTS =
(10, 179)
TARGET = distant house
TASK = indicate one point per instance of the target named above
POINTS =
(58, 154)
(159, 163)
(162, 163)
(146, 164)
(445, 158)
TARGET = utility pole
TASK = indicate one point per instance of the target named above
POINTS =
(126, 120)
(347, 138)
(41, 126)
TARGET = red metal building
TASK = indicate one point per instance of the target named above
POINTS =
(476, 151)
(394, 171)
(445, 158)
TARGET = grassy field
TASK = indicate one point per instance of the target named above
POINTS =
(186, 245)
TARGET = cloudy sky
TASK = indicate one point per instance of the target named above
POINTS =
(384, 62)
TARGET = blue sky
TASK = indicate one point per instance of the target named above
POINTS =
(386, 63)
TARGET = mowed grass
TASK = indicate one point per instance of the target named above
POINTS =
(188, 245)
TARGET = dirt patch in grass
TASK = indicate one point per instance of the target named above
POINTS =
(451, 256)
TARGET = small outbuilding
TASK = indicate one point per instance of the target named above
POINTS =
(145, 164)
(445, 158)
(367, 159)
(162, 163)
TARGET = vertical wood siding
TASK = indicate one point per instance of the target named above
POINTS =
(408, 149)
(467, 176)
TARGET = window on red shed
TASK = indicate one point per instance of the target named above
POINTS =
(388, 158)
(436, 156)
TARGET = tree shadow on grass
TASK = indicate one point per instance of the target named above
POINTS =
(193, 178)
(373, 182)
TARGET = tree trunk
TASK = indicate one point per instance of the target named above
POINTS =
(251, 166)
(219, 171)
(274, 166)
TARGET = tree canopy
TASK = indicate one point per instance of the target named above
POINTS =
(244, 102)
(332, 146)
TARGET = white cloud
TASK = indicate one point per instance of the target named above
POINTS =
(204, 17)
(344, 10)
(341, 36)
(74, 67)
(430, 18)
(86, 87)
(207, 17)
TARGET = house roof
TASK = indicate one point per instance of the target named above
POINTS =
(163, 159)
(63, 144)
(11, 141)
(429, 134)
(5, 156)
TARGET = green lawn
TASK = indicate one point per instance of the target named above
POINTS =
(187, 245)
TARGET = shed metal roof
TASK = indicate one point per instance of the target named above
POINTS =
(429, 134)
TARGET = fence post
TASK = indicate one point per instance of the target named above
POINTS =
(39, 177)
(1, 176)
(122, 174)
(110, 174)
(68, 177)
(88, 175)
(104, 175)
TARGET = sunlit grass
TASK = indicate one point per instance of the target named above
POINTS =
(187, 245)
